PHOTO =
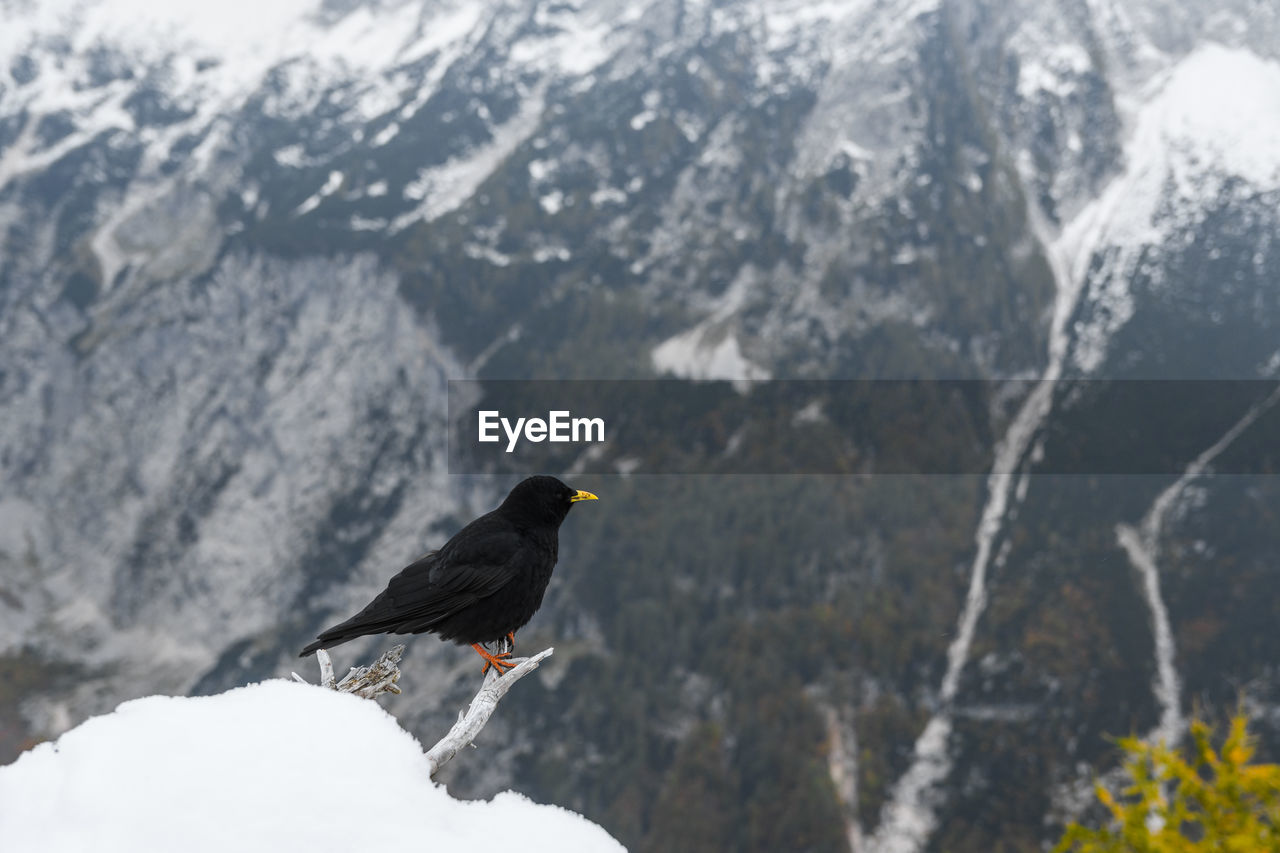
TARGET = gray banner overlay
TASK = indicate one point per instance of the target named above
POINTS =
(672, 426)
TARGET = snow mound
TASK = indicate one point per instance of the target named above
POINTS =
(272, 766)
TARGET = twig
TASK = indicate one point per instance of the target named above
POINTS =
(478, 712)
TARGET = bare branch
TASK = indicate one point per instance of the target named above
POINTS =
(381, 677)
(469, 724)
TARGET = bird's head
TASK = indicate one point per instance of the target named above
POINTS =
(544, 500)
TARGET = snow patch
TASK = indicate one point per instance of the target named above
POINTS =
(540, 170)
(385, 135)
(1219, 109)
(552, 202)
(571, 42)
(475, 251)
(1056, 72)
(545, 254)
(608, 195)
(639, 120)
(364, 223)
(444, 31)
(444, 188)
(710, 350)
(331, 185)
(700, 354)
(291, 156)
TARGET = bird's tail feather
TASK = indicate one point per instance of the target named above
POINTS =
(349, 630)
(314, 647)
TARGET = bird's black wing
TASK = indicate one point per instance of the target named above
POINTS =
(465, 571)
(474, 564)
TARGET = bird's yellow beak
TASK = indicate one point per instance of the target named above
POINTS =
(583, 496)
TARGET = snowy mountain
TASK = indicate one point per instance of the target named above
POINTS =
(244, 246)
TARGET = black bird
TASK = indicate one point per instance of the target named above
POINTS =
(483, 585)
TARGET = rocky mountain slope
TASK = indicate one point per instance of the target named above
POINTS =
(245, 246)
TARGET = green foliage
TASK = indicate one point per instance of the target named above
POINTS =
(1207, 801)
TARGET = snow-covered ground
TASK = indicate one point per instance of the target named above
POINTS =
(272, 766)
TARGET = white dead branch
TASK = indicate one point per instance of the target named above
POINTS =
(326, 668)
(481, 708)
(381, 677)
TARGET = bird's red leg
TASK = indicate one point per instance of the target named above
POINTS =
(493, 660)
(511, 641)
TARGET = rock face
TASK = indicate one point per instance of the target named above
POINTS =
(242, 248)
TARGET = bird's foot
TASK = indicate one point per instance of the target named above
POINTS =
(497, 661)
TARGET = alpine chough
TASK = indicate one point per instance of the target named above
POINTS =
(482, 585)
